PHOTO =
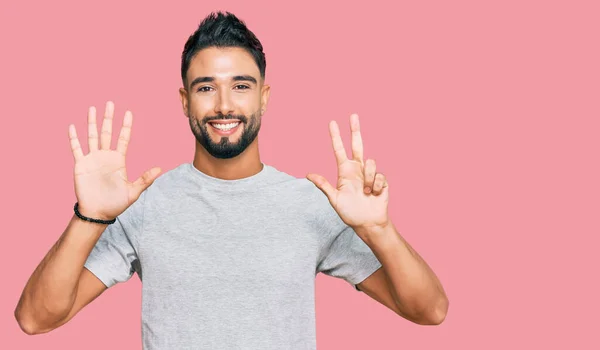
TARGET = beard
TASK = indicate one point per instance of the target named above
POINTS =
(225, 149)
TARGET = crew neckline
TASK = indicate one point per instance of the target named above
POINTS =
(237, 183)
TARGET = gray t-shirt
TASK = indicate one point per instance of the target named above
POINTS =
(229, 264)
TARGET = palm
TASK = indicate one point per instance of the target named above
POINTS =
(354, 206)
(101, 178)
(101, 184)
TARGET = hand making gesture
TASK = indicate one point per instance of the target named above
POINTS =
(361, 195)
(101, 186)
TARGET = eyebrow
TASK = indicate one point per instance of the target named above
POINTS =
(199, 80)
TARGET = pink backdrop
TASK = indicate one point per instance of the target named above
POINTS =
(484, 118)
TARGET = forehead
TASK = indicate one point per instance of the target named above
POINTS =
(222, 63)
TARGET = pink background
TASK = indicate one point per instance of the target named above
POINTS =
(484, 118)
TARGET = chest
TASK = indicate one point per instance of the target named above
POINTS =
(224, 249)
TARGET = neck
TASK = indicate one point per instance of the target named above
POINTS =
(244, 165)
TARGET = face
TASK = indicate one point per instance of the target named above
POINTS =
(224, 100)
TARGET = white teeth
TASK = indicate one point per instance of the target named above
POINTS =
(225, 127)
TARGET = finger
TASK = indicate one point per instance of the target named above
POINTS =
(106, 136)
(125, 133)
(380, 183)
(75, 146)
(369, 175)
(144, 181)
(324, 186)
(357, 144)
(338, 145)
(92, 130)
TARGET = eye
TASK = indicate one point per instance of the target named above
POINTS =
(243, 87)
(204, 89)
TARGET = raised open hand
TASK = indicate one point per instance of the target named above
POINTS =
(101, 184)
(361, 195)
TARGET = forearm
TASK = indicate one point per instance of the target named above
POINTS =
(50, 291)
(413, 284)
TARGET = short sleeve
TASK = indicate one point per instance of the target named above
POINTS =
(114, 257)
(345, 255)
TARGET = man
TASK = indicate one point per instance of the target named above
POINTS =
(227, 247)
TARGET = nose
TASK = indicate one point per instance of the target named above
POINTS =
(223, 105)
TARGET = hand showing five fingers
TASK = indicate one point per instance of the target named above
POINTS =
(361, 195)
(101, 184)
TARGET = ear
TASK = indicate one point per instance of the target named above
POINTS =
(264, 98)
(183, 96)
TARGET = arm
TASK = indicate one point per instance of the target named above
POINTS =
(60, 286)
(405, 283)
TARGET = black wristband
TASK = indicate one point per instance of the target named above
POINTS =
(98, 221)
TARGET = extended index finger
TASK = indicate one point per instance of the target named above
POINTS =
(357, 144)
(338, 145)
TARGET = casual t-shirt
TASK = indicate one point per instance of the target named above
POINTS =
(229, 264)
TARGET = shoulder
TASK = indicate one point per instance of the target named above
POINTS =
(168, 181)
(170, 176)
(312, 202)
(300, 189)
(161, 184)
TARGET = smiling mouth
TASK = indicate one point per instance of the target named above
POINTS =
(225, 127)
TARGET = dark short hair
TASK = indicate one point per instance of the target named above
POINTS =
(220, 29)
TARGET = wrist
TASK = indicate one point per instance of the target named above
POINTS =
(75, 220)
(84, 215)
(373, 232)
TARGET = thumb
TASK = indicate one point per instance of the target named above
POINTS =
(145, 180)
(323, 185)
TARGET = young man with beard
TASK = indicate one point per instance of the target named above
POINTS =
(227, 247)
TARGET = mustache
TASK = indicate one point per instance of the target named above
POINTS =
(240, 117)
